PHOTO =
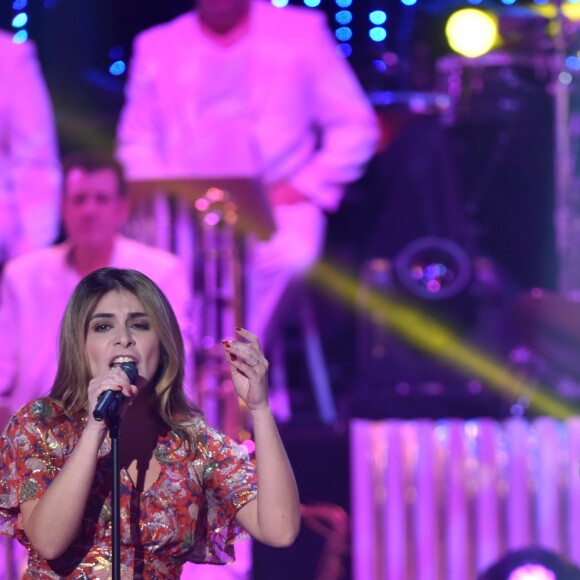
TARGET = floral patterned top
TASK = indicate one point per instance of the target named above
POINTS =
(186, 515)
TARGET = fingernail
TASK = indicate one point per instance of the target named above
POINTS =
(227, 344)
(238, 328)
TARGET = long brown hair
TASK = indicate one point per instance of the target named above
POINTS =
(73, 373)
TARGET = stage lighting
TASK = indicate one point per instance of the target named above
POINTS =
(471, 32)
(570, 10)
(532, 572)
(532, 564)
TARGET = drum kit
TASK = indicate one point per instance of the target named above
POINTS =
(534, 77)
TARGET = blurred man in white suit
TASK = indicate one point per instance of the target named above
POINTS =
(29, 159)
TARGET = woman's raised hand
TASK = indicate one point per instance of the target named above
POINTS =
(249, 368)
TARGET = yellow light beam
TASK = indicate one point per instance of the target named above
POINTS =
(426, 333)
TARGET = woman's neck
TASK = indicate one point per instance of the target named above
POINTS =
(141, 427)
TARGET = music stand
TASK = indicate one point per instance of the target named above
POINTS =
(249, 195)
(226, 209)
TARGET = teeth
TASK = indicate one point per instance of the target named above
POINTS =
(122, 359)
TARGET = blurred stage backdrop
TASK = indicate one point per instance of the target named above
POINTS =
(449, 286)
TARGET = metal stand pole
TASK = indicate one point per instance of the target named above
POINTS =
(222, 307)
(114, 427)
(566, 170)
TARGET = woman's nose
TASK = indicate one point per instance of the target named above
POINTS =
(125, 337)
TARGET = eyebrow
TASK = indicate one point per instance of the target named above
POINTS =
(108, 315)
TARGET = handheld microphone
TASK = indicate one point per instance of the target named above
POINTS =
(110, 401)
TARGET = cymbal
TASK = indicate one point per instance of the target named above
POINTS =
(549, 324)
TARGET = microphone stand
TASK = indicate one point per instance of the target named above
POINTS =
(109, 406)
(114, 423)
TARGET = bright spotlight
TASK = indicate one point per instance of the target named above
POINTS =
(532, 563)
(532, 572)
(471, 32)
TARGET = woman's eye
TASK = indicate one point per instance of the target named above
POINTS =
(141, 326)
(102, 327)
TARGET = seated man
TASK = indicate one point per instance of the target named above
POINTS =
(36, 286)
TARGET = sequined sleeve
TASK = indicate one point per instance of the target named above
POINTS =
(31, 455)
(229, 481)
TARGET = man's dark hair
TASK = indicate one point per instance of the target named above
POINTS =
(91, 162)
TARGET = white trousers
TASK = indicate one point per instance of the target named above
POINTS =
(273, 265)
(241, 569)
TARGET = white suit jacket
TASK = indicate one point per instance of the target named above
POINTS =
(29, 164)
(34, 293)
(302, 94)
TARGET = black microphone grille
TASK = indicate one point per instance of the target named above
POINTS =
(130, 369)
